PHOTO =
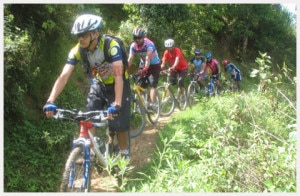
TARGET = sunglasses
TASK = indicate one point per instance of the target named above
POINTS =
(83, 35)
(136, 38)
(197, 54)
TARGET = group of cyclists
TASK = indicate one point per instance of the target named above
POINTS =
(199, 66)
(111, 89)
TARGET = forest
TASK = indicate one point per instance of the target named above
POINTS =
(37, 40)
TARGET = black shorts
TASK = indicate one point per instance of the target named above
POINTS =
(177, 77)
(101, 96)
(152, 75)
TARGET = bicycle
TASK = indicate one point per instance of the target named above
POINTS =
(230, 86)
(211, 89)
(77, 172)
(192, 90)
(168, 100)
(141, 104)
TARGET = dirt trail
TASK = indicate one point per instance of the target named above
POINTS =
(142, 148)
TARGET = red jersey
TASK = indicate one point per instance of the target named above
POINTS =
(170, 58)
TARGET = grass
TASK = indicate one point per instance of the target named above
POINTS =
(232, 143)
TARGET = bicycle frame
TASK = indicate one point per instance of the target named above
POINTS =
(138, 89)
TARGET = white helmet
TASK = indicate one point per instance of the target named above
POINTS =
(169, 43)
(86, 22)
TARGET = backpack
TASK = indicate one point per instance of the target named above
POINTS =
(107, 40)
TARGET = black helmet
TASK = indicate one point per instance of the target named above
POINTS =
(198, 51)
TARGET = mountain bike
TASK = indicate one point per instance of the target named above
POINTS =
(141, 103)
(104, 154)
(192, 90)
(168, 99)
(211, 89)
(230, 86)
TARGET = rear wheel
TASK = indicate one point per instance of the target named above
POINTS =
(167, 103)
(137, 117)
(74, 168)
(153, 110)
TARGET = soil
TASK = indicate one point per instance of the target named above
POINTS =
(142, 148)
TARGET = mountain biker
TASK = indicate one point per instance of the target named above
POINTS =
(149, 66)
(178, 65)
(233, 71)
(212, 67)
(110, 87)
(197, 64)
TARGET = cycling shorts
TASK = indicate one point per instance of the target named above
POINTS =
(101, 96)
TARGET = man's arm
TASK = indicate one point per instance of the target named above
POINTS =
(119, 81)
(147, 59)
(59, 85)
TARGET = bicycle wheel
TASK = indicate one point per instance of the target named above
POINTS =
(191, 93)
(182, 100)
(153, 109)
(75, 168)
(137, 117)
(167, 103)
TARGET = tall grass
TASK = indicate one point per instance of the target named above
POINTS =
(232, 143)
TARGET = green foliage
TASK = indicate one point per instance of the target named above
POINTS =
(230, 147)
(37, 41)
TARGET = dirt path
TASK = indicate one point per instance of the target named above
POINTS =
(142, 148)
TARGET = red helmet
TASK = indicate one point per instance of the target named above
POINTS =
(224, 62)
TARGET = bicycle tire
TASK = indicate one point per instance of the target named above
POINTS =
(167, 101)
(154, 114)
(137, 117)
(191, 93)
(76, 157)
(182, 100)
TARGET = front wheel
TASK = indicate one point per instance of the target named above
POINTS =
(167, 101)
(191, 93)
(137, 117)
(73, 179)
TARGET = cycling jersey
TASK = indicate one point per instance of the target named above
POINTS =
(97, 59)
(230, 67)
(169, 56)
(213, 66)
(142, 50)
(198, 63)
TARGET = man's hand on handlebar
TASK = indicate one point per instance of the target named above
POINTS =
(49, 109)
(113, 111)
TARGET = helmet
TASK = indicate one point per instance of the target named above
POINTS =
(169, 43)
(198, 51)
(225, 62)
(85, 23)
(138, 32)
(208, 55)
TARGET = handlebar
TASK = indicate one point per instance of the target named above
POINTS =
(77, 115)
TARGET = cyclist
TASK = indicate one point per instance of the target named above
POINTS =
(110, 87)
(178, 65)
(233, 71)
(213, 68)
(149, 66)
(196, 65)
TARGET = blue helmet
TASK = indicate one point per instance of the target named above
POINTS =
(208, 55)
